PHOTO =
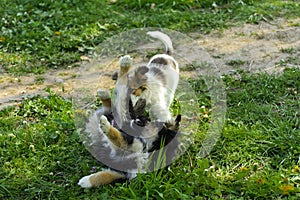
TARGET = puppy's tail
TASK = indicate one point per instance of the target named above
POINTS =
(164, 38)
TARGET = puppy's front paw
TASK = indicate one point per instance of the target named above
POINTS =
(104, 124)
(103, 94)
(84, 182)
(125, 61)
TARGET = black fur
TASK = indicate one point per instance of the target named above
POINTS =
(169, 132)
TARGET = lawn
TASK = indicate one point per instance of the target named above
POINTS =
(40, 35)
(42, 156)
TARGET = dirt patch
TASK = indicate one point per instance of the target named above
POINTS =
(254, 48)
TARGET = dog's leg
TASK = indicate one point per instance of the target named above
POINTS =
(112, 133)
(104, 96)
(125, 64)
(100, 178)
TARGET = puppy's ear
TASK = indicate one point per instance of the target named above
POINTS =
(138, 78)
(178, 119)
(114, 76)
(141, 71)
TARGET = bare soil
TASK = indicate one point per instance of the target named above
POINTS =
(257, 48)
(254, 48)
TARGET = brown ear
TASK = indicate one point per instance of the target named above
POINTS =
(140, 75)
(160, 61)
(141, 71)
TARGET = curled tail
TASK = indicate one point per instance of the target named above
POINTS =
(164, 38)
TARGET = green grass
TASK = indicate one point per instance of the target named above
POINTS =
(36, 36)
(42, 157)
(257, 156)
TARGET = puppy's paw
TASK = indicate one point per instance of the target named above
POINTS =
(84, 182)
(103, 94)
(104, 124)
(125, 61)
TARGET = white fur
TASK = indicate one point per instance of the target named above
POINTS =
(84, 182)
(156, 100)
(103, 94)
(120, 99)
(167, 57)
(125, 61)
(161, 96)
(172, 77)
(137, 146)
(162, 37)
(119, 104)
(104, 124)
(158, 96)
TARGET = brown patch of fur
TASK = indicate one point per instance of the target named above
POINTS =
(173, 64)
(104, 178)
(124, 70)
(106, 102)
(137, 92)
(138, 78)
(115, 137)
(160, 61)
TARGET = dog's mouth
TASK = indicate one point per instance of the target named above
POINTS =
(139, 91)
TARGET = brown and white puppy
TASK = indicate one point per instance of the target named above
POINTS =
(156, 82)
(111, 127)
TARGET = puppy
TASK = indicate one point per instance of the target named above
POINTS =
(121, 131)
(156, 82)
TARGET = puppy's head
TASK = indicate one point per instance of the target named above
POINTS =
(137, 80)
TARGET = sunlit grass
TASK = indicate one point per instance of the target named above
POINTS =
(257, 155)
(54, 34)
(42, 156)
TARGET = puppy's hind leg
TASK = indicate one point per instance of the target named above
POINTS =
(104, 96)
(113, 134)
(100, 178)
(125, 64)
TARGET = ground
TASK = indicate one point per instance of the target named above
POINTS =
(263, 47)
(256, 156)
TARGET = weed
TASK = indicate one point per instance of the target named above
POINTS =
(236, 63)
(39, 79)
(290, 50)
